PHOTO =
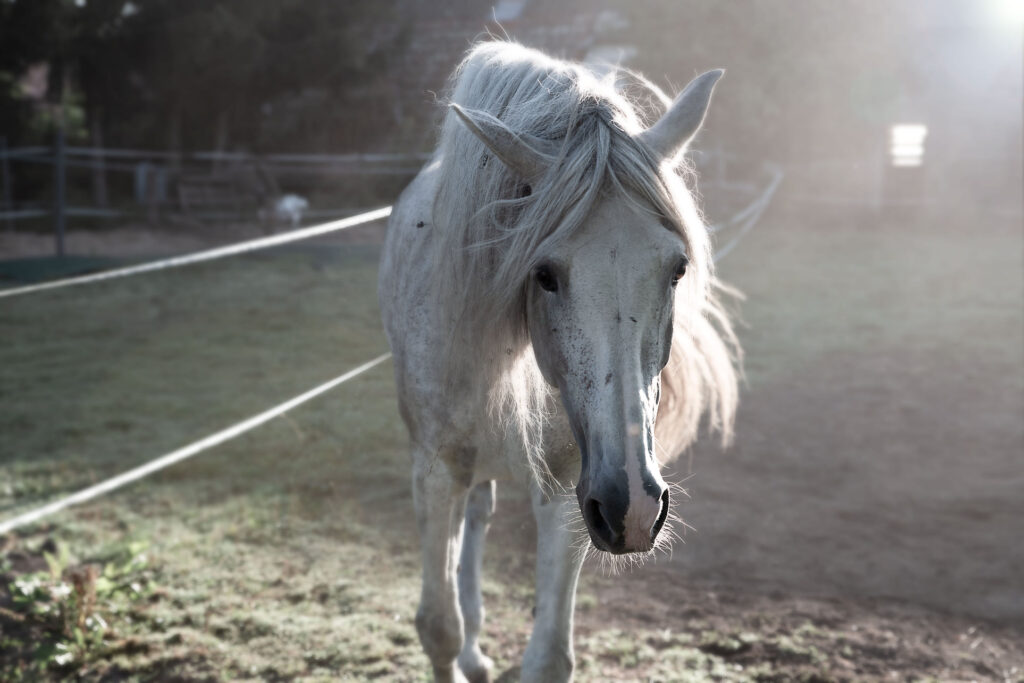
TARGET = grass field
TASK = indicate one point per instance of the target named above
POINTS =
(290, 553)
(111, 376)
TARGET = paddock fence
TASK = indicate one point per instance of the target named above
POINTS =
(735, 227)
(192, 188)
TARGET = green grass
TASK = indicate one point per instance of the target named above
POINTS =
(103, 377)
(252, 534)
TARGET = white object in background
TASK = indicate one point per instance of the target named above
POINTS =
(290, 208)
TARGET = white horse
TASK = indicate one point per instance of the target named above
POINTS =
(547, 290)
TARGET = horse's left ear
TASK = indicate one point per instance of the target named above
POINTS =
(670, 134)
(526, 154)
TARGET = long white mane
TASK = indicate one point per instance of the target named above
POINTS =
(494, 229)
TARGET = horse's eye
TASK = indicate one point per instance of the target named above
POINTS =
(546, 279)
(524, 191)
(680, 271)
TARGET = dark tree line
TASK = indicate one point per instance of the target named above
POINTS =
(264, 75)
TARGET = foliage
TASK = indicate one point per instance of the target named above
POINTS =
(59, 618)
(191, 71)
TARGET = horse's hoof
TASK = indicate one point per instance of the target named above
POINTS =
(478, 676)
(479, 670)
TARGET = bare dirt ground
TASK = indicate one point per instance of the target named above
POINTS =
(880, 442)
(866, 525)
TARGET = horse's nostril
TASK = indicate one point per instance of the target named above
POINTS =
(595, 519)
(662, 516)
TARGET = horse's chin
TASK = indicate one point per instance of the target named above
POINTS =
(601, 547)
(604, 548)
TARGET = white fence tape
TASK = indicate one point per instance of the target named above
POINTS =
(201, 256)
(185, 452)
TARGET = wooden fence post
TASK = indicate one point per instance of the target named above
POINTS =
(60, 188)
(5, 170)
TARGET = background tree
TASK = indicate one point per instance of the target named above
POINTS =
(200, 73)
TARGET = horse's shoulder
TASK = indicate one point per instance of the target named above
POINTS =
(409, 229)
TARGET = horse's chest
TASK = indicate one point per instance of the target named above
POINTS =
(499, 454)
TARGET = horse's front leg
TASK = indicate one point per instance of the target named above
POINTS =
(474, 664)
(549, 655)
(439, 499)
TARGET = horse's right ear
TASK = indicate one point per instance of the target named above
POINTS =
(670, 134)
(527, 155)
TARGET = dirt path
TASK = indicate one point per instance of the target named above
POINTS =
(744, 635)
(880, 440)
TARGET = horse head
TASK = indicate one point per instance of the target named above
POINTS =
(600, 307)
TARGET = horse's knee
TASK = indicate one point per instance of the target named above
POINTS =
(480, 505)
(440, 634)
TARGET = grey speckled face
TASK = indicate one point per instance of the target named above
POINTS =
(600, 313)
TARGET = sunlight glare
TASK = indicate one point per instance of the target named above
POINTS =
(906, 144)
(1009, 11)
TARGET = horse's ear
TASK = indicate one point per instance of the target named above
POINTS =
(670, 134)
(527, 155)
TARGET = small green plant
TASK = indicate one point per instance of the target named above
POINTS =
(65, 604)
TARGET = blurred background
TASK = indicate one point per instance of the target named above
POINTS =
(867, 522)
(269, 97)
